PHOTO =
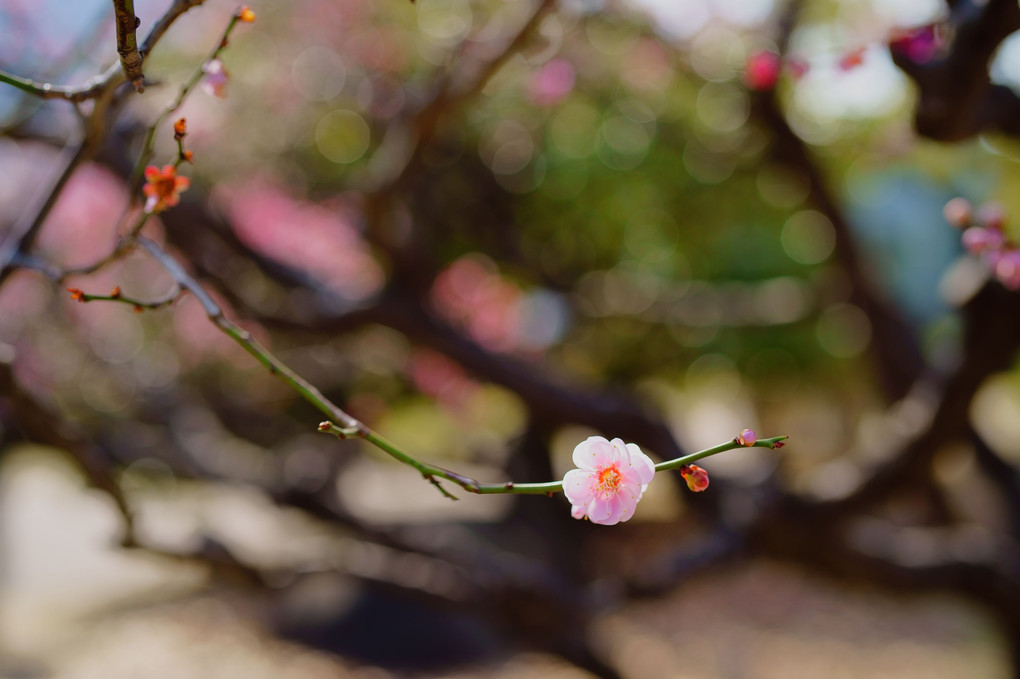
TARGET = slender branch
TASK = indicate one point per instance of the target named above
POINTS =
(127, 45)
(305, 389)
(116, 296)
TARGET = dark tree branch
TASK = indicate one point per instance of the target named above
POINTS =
(956, 99)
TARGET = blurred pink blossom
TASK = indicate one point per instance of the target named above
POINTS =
(216, 78)
(315, 238)
(441, 378)
(610, 479)
(978, 239)
(471, 293)
(552, 82)
(1007, 269)
(762, 70)
(81, 227)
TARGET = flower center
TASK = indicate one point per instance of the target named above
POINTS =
(165, 186)
(609, 479)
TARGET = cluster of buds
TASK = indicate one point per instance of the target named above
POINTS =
(983, 236)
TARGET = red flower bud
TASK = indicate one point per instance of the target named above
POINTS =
(695, 476)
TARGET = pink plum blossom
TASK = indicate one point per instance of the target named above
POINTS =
(216, 78)
(610, 479)
(747, 437)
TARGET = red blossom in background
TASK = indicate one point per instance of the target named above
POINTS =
(762, 70)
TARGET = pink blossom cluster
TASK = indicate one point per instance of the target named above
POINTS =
(983, 235)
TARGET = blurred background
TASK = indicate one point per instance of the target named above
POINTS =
(490, 229)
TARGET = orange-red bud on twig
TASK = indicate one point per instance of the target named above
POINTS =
(115, 293)
(77, 295)
(180, 129)
(245, 14)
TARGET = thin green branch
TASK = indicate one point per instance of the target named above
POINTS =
(432, 472)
